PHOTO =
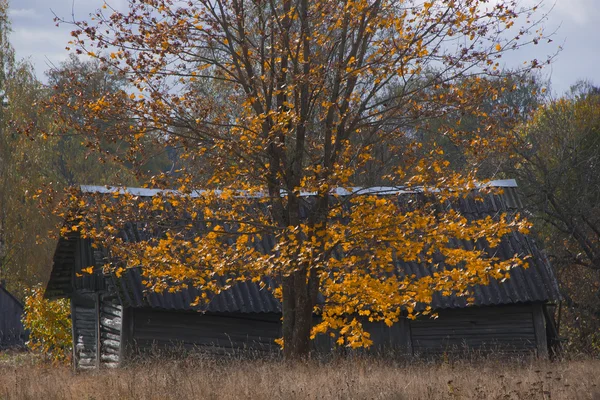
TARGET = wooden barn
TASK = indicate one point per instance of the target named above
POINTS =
(115, 318)
(12, 333)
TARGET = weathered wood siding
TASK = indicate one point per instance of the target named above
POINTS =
(111, 316)
(96, 324)
(389, 340)
(213, 333)
(83, 318)
(121, 333)
(11, 329)
(481, 329)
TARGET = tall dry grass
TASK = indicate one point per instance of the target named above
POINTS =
(205, 378)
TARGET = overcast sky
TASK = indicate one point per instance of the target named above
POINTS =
(35, 36)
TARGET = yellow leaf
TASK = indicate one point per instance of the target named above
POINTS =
(88, 270)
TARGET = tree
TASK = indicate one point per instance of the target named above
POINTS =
(558, 166)
(22, 165)
(512, 107)
(266, 100)
(71, 158)
(30, 166)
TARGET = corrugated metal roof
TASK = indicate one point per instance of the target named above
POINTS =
(243, 297)
(72, 255)
(536, 283)
(532, 284)
(378, 190)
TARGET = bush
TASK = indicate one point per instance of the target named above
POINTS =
(49, 325)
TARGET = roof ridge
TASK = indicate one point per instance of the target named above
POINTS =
(340, 191)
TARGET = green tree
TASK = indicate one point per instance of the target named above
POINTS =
(558, 168)
(40, 168)
(21, 168)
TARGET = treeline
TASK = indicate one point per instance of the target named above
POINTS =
(40, 156)
(553, 152)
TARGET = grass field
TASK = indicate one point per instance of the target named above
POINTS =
(202, 378)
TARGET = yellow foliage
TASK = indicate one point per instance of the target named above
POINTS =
(49, 325)
(295, 99)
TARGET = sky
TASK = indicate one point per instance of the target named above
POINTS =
(37, 39)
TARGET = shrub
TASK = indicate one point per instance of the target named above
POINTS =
(49, 325)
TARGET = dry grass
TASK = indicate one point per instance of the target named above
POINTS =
(202, 378)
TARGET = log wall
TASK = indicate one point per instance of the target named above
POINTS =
(111, 316)
(96, 322)
(212, 333)
(507, 329)
(83, 318)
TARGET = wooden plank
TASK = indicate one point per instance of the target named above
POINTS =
(126, 334)
(98, 344)
(111, 343)
(90, 332)
(86, 324)
(539, 323)
(84, 310)
(111, 350)
(109, 335)
(110, 358)
(90, 357)
(82, 348)
(114, 323)
(112, 311)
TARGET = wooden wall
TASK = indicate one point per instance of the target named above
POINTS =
(11, 328)
(96, 322)
(111, 313)
(99, 321)
(213, 333)
(84, 330)
(510, 328)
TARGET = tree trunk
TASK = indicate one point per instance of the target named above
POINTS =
(297, 315)
(301, 288)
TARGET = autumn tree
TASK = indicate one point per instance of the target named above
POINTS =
(558, 165)
(275, 107)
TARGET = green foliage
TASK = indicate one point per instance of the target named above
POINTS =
(557, 165)
(49, 325)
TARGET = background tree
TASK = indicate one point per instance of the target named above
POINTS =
(31, 168)
(74, 158)
(516, 96)
(558, 168)
(305, 98)
(22, 164)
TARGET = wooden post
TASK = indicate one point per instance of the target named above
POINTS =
(539, 325)
(98, 355)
